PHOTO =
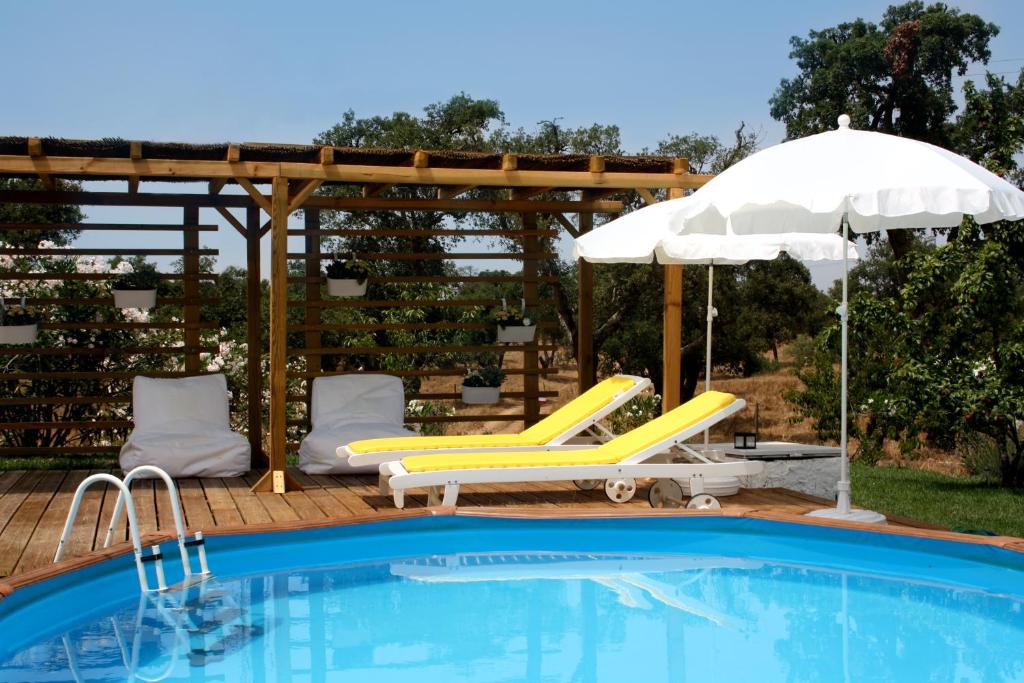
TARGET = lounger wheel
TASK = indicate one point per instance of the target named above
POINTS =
(665, 493)
(704, 501)
(586, 484)
(620, 490)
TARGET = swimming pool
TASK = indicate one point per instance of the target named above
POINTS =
(464, 598)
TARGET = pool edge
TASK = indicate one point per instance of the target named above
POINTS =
(12, 583)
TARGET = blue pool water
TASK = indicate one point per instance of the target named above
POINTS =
(485, 599)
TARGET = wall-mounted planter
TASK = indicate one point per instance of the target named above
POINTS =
(135, 298)
(19, 334)
(346, 287)
(480, 395)
(516, 334)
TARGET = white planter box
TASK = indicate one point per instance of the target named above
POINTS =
(346, 287)
(516, 334)
(18, 334)
(135, 298)
(480, 395)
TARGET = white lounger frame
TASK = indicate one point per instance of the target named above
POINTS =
(395, 477)
(591, 424)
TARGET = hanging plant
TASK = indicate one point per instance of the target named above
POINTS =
(136, 289)
(19, 324)
(482, 385)
(514, 326)
(347, 277)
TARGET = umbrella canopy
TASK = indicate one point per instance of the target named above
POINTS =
(877, 181)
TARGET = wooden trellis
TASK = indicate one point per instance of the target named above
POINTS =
(294, 174)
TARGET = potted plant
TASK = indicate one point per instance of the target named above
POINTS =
(514, 327)
(347, 276)
(19, 324)
(482, 385)
(136, 289)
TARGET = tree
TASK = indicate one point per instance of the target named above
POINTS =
(894, 77)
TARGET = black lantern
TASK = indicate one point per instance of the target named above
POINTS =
(748, 440)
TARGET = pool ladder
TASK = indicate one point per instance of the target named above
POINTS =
(125, 500)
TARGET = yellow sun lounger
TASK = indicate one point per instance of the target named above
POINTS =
(578, 415)
(640, 453)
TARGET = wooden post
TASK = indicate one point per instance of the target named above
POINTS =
(314, 338)
(190, 268)
(531, 358)
(585, 314)
(277, 478)
(672, 336)
(254, 336)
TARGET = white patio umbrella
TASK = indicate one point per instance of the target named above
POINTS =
(851, 179)
(644, 235)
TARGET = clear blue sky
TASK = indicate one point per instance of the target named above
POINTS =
(283, 72)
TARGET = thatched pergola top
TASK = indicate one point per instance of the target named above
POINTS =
(261, 154)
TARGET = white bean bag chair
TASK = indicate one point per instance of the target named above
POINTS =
(183, 426)
(348, 408)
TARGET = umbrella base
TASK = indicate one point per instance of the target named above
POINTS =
(863, 516)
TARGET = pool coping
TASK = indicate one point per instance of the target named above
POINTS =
(16, 581)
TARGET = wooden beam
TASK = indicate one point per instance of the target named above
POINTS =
(35, 151)
(254, 337)
(680, 165)
(234, 154)
(342, 173)
(134, 152)
(296, 199)
(257, 196)
(521, 193)
(216, 186)
(567, 224)
(585, 364)
(133, 184)
(453, 192)
(229, 217)
(420, 159)
(375, 189)
(596, 164)
(509, 162)
(340, 203)
(646, 195)
(672, 335)
(190, 265)
(531, 294)
(277, 478)
(326, 155)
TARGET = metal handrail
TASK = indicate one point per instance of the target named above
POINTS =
(172, 492)
(133, 527)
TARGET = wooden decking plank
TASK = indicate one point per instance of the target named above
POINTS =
(249, 506)
(19, 530)
(274, 503)
(9, 479)
(352, 501)
(197, 511)
(361, 492)
(304, 507)
(43, 542)
(107, 512)
(225, 513)
(145, 505)
(329, 503)
(13, 498)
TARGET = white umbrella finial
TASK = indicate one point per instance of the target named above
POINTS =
(844, 121)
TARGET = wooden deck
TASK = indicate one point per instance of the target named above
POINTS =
(34, 505)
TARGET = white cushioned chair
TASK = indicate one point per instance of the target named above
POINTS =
(183, 426)
(349, 408)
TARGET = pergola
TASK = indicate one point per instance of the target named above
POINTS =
(281, 179)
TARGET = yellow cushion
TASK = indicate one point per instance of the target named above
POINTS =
(572, 413)
(579, 409)
(415, 443)
(671, 423)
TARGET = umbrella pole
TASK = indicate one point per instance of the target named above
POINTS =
(707, 350)
(843, 487)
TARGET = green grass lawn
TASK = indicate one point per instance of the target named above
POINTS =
(952, 502)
